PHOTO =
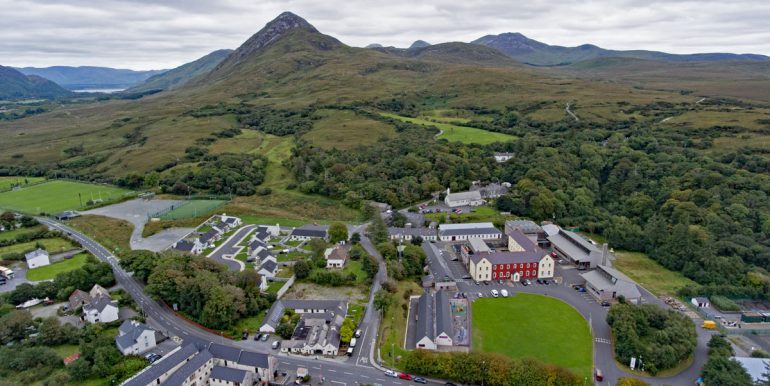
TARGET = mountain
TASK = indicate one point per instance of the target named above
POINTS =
(178, 76)
(530, 51)
(374, 45)
(87, 77)
(15, 85)
(419, 44)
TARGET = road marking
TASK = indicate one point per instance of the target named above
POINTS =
(347, 373)
(365, 376)
(602, 340)
(380, 379)
(341, 383)
(330, 370)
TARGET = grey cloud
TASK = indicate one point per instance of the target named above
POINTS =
(145, 34)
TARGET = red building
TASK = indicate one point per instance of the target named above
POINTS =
(522, 260)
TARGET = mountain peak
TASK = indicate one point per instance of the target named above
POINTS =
(419, 44)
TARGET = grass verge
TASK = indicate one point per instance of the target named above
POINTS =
(50, 271)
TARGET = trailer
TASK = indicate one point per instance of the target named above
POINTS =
(751, 317)
(6, 272)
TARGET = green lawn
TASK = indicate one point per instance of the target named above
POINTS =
(479, 214)
(457, 133)
(649, 273)
(54, 245)
(274, 286)
(192, 209)
(50, 271)
(540, 327)
(10, 235)
(261, 220)
(293, 243)
(66, 350)
(57, 196)
(393, 326)
(7, 182)
(356, 267)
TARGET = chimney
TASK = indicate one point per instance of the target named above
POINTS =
(605, 254)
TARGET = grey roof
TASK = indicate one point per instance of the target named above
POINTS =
(206, 237)
(702, 300)
(756, 367)
(100, 303)
(522, 239)
(443, 313)
(576, 247)
(472, 195)
(469, 231)
(130, 331)
(311, 231)
(425, 316)
(36, 253)
(181, 374)
(231, 220)
(422, 232)
(525, 226)
(184, 245)
(224, 352)
(268, 265)
(504, 257)
(609, 279)
(166, 363)
(254, 359)
(262, 233)
(274, 315)
(227, 374)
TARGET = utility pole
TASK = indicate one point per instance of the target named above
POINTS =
(393, 355)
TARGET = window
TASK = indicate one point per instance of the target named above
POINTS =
(507, 266)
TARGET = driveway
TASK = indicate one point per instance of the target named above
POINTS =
(138, 212)
(225, 252)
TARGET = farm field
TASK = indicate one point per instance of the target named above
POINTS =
(50, 271)
(7, 182)
(650, 274)
(58, 196)
(456, 133)
(534, 326)
(54, 245)
(192, 209)
(10, 235)
(342, 130)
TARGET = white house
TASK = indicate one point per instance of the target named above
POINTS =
(454, 200)
(307, 232)
(467, 231)
(336, 257)
(37, 258)
(192, 246)
(503, 157)
(268, 267)
(425, 329)
(134, 338)
(101, 310)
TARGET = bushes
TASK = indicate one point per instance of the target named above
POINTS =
(489, 368)
(663, 338)
(332, 278)
(720, 369)
(724, 304)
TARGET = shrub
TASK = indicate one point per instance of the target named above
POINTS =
(724, 304)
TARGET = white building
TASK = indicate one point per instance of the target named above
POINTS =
(454, 200)
(101, 310)
(134, 338)
(503, 157)
(37, 258)
(458, 232)
(336, 257)
(192, 246)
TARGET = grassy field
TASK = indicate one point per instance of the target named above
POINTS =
(58, 196)
(114, 234)
(10, 235)
(649, 273)
(54, 245)
(192, 209)
(7, 182)
(393, 326)
(50, 271)
(274, 286)
(343, 130)
(535, 326)
(457, 133)
(479, 214)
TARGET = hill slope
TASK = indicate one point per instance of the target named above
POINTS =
(533, 52)
(15, 85)
(87, 77)
(178, 76)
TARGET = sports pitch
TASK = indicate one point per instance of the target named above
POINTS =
(191, 209)
(57, 196)
(534, 326)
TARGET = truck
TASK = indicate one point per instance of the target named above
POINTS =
(709, 324)
(6, 272)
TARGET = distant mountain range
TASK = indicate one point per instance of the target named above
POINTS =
(178, 76)
(15, 85)
(526, 50)
(87, 77)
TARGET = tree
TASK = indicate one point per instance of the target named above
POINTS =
(13, 326)
(346, 333)
(725, 371)
(141, 262)
(355, 238)
(151, 180)
(338, 232)
(381, 299)
(301, 269)
(79, 370)
(378, 232)
(417, 240)
(104, 358)
(285, 330)
(628, 381)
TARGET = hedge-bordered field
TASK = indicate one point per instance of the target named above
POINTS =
(58, 195)
(535, 326)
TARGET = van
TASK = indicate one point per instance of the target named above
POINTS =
(350, 352)
(352, 342)
(494, 293)
(709, 324)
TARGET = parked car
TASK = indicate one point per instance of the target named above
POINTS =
(466, 277)
(276, 344)
(349, 352)
(244, 335)
(599, 375)
(481, 295)
(504, 293)
(405, 376)
(553, 254)
(265, 337)
(486, 282)
(420, 380)
(539, 281)
(391, 373)
(605, 303)
(494, 293)
(449, 384)
(258, 337)
(358, 333)
(524, 282)
(581, 289)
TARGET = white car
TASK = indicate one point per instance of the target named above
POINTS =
(391, 373)
(494, 293)
(504, 293)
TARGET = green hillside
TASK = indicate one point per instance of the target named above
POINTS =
(178, 76)
(15, 85)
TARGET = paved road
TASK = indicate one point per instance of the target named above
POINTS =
(230, 248)
(336, 372)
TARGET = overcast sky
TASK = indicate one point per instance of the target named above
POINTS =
(146, 34)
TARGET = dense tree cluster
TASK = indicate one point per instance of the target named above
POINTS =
(277, 122)
(407, 264)
(488, 368)
(660, 338)
(237, 174)
(205, 290)
(721, 369)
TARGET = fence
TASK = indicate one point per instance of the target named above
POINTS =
(285, 287)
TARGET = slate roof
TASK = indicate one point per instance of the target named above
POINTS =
(504, 257)
(443, 313)
(481, 228)
(227, 374)
(162, 366)
(611, 280)
(422, 232)
(99, 304)
(130, 331)
(181, 374)
(273, 317)
(231, 220)
(36, 253)
(522, 239)
(184, 245)
(254, 359)
(576, 247)
(79, 296)
(337, 253)
(224, 352)
(319, 231)
(268, 265)
(472, 195)
(425, 316)
(208, 236)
